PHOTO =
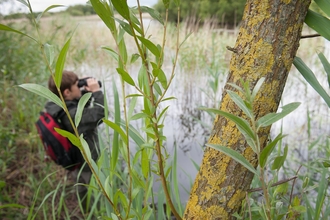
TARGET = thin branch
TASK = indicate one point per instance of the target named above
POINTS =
(310, 36)
(294, 181)
(275, 184)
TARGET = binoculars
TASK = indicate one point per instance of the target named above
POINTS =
(83, 82)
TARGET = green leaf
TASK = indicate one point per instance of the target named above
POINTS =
(153, 13)
(157, 88)
(234, 155)
(133, 95)
(326, 163)
(321, 193)
(236, 87)
(240, 103)
(122, 8)
(112, 53)
(47, 9)
(126, 77)
(117, 117)
(166, 3)
(135, 56)
(12, 205)
(108, 189)
(132, 106)
(318, 22)
(134, 134)
(117, 128)
(161, 77)
(300, 209)
(113, 215)
(81, 105)
(86, 148)
(326, 66)
(125, 26)
(42, 91)
(168, 98)
(271, 118)
(241, 124)
(103, 10)
(145, 163)
(151, 46)
(268, 150)
(123, 54)
(281, 189)
(279, 161)
(324, 6)
(50, 53)
(136, 24)
(257, 87)
(138, 116)
(162, 113)
(60, 63)
(23, 2)
(6, 28)
(73, 139)
(311, 79)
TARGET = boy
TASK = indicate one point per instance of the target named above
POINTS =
(91, 117)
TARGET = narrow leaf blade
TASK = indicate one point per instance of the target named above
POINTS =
(42, 91)
(6, 28)
(60, 63)
(271, 118)
(234, 155)
(81, 105)
(311, 79)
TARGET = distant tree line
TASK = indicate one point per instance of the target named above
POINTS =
(76, 10)
(225, 12)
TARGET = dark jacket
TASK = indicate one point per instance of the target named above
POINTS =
(91, 118)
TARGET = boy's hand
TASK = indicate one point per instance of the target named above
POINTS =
(92, 85)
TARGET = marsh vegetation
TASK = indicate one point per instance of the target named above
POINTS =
(32, 188)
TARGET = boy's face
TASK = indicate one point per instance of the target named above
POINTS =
(73, 93)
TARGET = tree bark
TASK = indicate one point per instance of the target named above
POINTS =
(266, 45)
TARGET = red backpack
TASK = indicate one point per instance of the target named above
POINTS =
(58, 148)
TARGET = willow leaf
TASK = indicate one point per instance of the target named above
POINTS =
(81, 105)
(150, 45)
(126, 77)
(308, 74)
(42, 91)
(318, 22)
(271, 118)
(234, 155)
(6, 28)
(60, 63)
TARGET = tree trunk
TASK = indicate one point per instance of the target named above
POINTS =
(266, 45)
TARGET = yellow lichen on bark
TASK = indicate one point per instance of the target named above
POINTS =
(249, 154)
(234, 200)
(286, 1)
(258, 60)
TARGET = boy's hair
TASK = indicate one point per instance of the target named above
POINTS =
(69, 78)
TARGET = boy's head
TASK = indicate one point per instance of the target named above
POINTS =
(69, 86)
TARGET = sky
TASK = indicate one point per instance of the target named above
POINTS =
(41, 5)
